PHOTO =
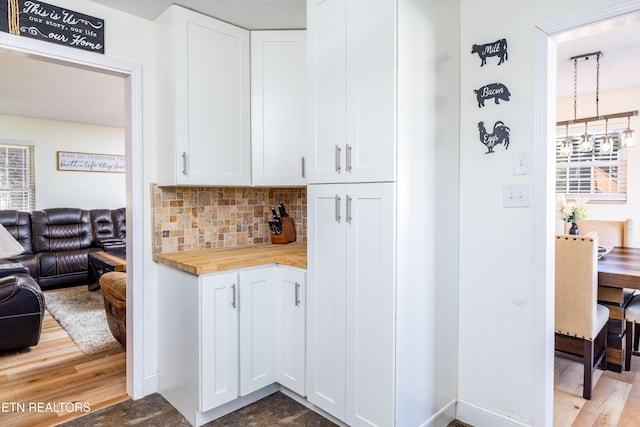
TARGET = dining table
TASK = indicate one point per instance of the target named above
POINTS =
(618, 281)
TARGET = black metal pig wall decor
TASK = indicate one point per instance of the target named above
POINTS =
(500, 135)
(497, 91)
(497, 48)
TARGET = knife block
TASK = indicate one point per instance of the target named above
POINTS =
(288, 233)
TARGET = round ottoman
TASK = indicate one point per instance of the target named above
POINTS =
(114, 292)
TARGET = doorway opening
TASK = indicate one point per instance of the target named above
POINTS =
(132, 75)
(548, 38)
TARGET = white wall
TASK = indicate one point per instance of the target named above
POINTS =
(427, 210)
(54, 188)
(611, 102)
(497, 298)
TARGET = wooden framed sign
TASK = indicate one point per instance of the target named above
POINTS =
(90, 162)
(43, 21)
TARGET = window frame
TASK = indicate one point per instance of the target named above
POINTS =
(566, 178)
(27, 168)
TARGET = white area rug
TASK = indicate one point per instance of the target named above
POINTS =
(81, 313)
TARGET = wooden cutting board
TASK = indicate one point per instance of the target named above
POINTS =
(223, 259)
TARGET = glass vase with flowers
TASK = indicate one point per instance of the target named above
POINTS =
(571, 212)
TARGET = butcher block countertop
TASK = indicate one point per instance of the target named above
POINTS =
(223, 259)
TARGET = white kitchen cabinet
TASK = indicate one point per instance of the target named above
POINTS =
(291, 328)
(203, 91)
(228, 338)
(278, 107)
(198, 340)
(218, 340)
(351, 301)
(352, 75)
(257, 329)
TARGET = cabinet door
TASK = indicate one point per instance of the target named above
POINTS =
(370, 308)
(326, 298)
(212, 97)
(257, 329)
(291, 319)
(278, 107)
(218, 340)
(326, 39)
(371, 91)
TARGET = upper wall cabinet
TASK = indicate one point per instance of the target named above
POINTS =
(203, 100)
(352, 75)
(278, 107)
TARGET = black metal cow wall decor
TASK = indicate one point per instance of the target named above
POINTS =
(497, 48)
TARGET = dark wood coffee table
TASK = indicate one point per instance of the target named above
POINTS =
(104, 262)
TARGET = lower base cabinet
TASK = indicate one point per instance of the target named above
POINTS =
(223, 336)
(290, 327)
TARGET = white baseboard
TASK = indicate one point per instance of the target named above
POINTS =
(443, 417)
(150, 385)
(482, 417)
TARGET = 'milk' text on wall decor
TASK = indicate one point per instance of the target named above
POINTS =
(500, 135)
(90, 162)
(43, 21)
(497, 91)
(497, 48)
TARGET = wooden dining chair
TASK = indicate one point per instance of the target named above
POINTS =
(580, 322)
(610, 233)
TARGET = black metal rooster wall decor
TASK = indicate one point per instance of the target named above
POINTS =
(500, 135)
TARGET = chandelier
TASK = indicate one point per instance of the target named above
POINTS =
(587, 143)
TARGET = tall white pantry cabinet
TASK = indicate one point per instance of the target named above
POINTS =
(381, 346)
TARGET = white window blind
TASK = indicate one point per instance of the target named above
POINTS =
(593, 175)
(17, 177)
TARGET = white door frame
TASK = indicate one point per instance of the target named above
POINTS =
(544, 188)
(132, 73)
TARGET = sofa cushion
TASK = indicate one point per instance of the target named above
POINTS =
(18, 224)
(61, 229)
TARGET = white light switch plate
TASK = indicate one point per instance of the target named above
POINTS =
(515, 195)
(520, 163)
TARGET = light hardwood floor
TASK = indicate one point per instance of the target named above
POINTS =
(615, 400)
(47, 384)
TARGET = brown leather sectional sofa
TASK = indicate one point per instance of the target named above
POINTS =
(58, 241)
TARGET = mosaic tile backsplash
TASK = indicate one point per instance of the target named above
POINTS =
(196, 218)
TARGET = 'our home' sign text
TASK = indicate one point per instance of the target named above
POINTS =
(44, 21)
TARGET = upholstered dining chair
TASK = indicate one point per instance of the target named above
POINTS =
(632, 317)
(580, 322)
(610, 233)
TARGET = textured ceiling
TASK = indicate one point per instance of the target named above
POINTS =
(618, 40)
(249, 14)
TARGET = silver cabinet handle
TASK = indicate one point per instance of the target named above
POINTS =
(302, 165)
(349, 158)
(337, 203)
(297, 296)
(338, 150)
(349, 199)
(233, 296)
(184, 163)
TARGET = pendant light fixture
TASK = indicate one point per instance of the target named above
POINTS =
(587, 143)
(628, 136)
(566, 148)
(606, 146)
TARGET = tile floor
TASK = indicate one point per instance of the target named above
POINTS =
(274, 410)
